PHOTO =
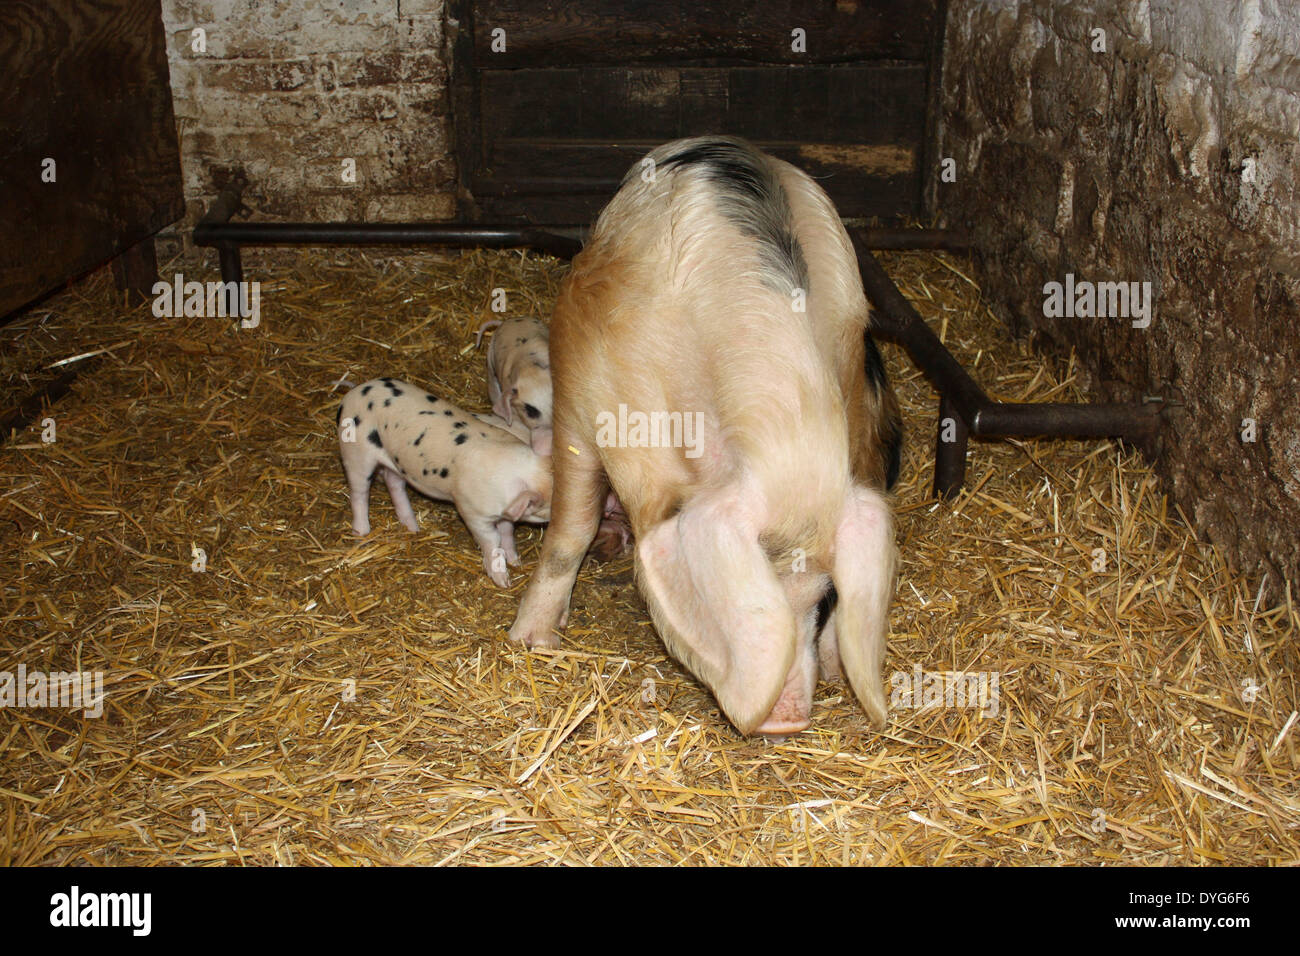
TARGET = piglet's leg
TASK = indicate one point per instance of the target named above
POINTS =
(359, 498)
(506, 530)
(578, 495)
(397, 489)
(486, 532)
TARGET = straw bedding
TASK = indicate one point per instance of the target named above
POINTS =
(313, 698)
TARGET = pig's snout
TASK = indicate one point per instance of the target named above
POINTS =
(790, 713)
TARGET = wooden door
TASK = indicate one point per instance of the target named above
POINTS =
(553, 101)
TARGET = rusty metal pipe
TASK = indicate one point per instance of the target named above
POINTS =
(961, 398)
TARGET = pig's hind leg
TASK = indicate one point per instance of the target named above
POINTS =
(397, 490)
(579, 493)
(359, 474)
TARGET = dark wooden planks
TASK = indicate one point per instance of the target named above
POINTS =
(632, 31)
(86, 85)
(547, 127)
(862, 127)
(534, 178)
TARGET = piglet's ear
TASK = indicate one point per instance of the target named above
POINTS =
(719, 605)
(541, 441)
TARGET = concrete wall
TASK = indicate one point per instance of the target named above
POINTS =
(1170, 157)
(289, 89)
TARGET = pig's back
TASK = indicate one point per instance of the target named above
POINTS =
(690, 293)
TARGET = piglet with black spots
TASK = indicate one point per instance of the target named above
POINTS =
(493, 477)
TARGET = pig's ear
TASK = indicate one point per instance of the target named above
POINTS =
(494, 391)
(719, 605)
(524, 503)
(541, 441)
(502, 407)
(863, 573)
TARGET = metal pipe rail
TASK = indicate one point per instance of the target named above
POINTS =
(964, 408)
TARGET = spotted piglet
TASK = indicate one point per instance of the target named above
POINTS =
(492, 476)
(519, 376)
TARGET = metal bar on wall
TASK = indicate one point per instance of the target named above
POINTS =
(965, 410)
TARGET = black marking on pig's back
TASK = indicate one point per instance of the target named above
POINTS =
(752, 198)
(375, 439)
(891, 432)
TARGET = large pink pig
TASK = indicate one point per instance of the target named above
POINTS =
(710, 364)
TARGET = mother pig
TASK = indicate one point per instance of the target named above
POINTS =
(720, 287)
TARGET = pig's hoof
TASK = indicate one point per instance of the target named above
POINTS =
(500, 578)
(547, 639)
(530, 637)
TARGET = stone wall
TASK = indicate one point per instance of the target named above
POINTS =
(1162, 149)
(290, 89)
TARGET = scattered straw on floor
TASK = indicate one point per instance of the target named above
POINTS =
(311, 698)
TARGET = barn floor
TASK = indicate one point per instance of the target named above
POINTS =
(1145, 708)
